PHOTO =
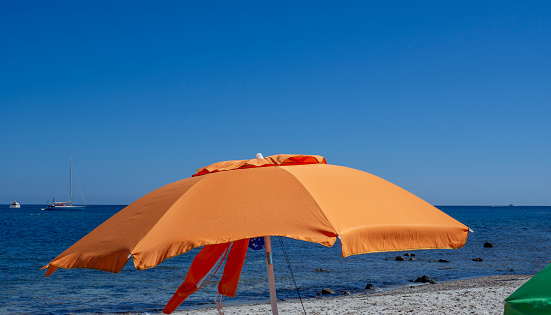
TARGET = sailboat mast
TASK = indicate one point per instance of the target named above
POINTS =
(71, 178)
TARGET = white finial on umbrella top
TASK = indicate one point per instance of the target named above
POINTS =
(259, 156)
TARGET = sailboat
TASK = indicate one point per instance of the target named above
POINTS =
(67, 205)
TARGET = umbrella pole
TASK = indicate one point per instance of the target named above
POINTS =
(271, 280)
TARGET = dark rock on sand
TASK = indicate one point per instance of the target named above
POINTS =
(327, 291)
(477, 259)
(370, 286)
(488, 245)
(425, 279)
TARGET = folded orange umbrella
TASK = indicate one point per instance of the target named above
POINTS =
(296, 196)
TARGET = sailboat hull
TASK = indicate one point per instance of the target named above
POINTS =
(64, 208)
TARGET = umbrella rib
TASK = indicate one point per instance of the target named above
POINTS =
(165, 256)
(337, 232)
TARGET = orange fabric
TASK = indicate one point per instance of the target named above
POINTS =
(108, 247)
(296, 159)
(274, 160)
(374, 215)
(310, 202)
(50, 270)
(232, 268)
(202, 264)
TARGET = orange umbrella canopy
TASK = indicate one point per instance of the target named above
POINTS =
(296, 196)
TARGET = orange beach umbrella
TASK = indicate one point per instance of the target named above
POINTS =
(296, 196)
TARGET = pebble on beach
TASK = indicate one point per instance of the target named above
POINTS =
(424, 279)
(327, 291)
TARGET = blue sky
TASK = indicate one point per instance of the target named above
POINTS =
(450, 101)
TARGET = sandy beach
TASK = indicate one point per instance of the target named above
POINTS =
(473, 296)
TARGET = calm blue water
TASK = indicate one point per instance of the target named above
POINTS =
(30, 238)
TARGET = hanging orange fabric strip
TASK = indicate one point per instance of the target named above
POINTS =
(202, 264)
(232, 269)
(51, 269)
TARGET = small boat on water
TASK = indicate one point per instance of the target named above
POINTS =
(67, 205)
(64, 205)
(15, 204)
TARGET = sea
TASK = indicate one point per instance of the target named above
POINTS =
(30, 238)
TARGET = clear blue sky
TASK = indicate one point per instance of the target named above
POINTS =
(449, 100)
